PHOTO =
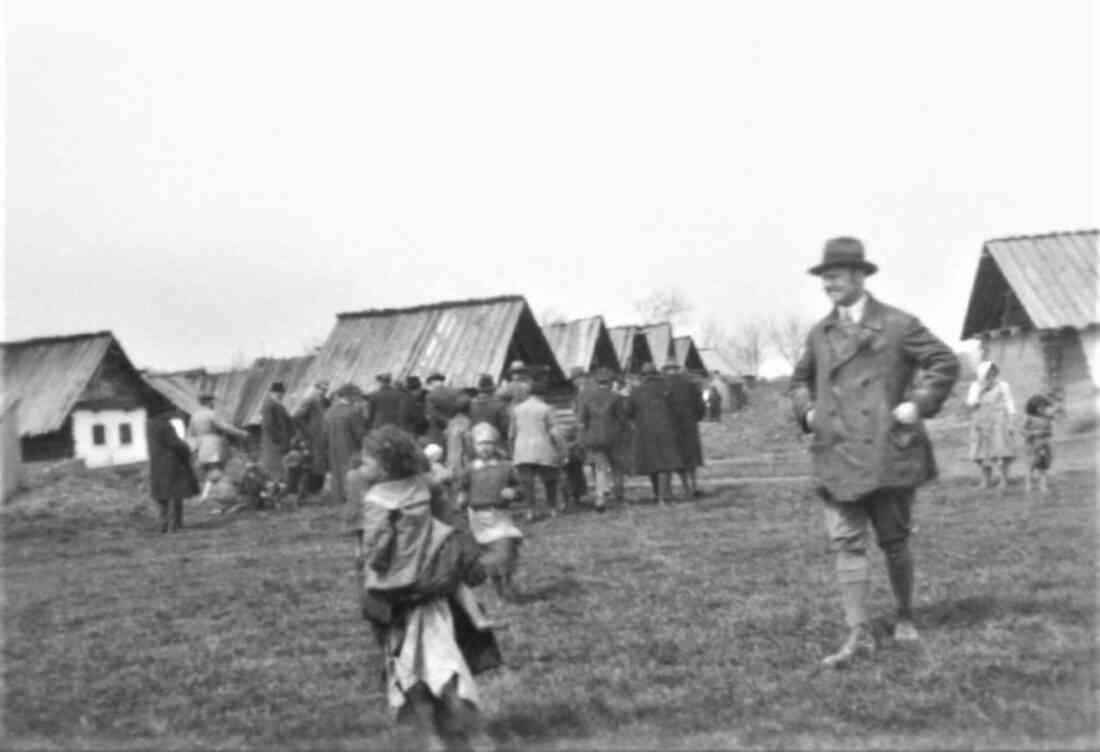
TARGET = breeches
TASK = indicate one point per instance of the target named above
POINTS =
(886, 510)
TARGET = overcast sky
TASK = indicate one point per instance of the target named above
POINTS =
(216, 180)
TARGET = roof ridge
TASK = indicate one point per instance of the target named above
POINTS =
(574, 321)
(1055, 234)
(58, 338)
(431, 306)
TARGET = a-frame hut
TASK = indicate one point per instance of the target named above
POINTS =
(688, 356)
(582, 343)
(1033, 307)
(660, 341)
(460, 339)
(78, 396)
(631, 347)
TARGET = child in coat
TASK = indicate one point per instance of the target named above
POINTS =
(1038, 427)
(486, 490)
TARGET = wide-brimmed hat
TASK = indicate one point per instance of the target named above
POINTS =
(485, 383)
(437, 376)
(844, 253)
(349, 391)
(205, 397)
(648, 368)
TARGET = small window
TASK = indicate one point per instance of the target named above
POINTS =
(99, 434)
(125, 434)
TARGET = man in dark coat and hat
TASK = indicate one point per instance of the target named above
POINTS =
(486, 407)
(440, 405)
(171, 477)
(344, 429)
(601, 413)
(869, 376)
(309, 415)
(276, 432)
(387, 404)
(414, 405)
(656, 440)
(688, 409)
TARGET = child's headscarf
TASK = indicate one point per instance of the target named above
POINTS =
(484, 432)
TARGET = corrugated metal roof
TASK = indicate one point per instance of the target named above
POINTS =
(1055, 278)
(687, 354)
(460, 339)
(660, 341)
(583, 343)
(49, 374)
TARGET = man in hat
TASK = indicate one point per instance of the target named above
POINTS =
(310, 417)
(276, 432)
(344, 429)
(688, 408)
(387, 405)
(414, 406)
(486, 407)
(515, 390)
(439, 407)
(171, 478)
(208, 434)
(601, 413)
(656, 441)
(869, 375)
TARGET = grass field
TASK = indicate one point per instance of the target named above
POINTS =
(699, 626)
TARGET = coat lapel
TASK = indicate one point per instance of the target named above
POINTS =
(846, 345)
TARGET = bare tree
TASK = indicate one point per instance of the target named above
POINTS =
(788, 336)
(666, 304)
(550, 315)
(747, 343)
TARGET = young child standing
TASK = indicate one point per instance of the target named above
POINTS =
(1038, 427)
(417, 574)
(487, 489)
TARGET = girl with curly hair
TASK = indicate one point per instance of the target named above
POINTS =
(418, 571)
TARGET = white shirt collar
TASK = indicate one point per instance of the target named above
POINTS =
(855, 309)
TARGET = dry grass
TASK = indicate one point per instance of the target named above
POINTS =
(683, 627)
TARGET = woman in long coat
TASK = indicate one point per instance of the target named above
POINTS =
(991, 430)
(656, 444)
(688, 408)
(171, 477)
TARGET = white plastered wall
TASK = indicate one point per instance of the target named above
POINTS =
(112, 451)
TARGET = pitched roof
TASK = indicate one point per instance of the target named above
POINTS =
(631, 346)
(688, 355)
(583, 343)
(1041, 281)
(49, 374)
(238, 393)
(660, 341)
(716, 361)
(460, 339)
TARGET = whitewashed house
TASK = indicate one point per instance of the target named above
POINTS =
(79, 396)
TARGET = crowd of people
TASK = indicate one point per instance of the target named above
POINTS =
(433, 475)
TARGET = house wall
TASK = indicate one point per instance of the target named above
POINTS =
(1020, 359)
(1034, 362)
(112, 451)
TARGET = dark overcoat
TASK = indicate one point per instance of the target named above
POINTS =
(688, 409)
(388, 406)
(170, 473)
(310, 418)
(488, 408)
(601, 415)
(656, 440)
(276, 431)
(853, 379)
(342, 437)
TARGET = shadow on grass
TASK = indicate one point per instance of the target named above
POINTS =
(533, 723)
(562, 588)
